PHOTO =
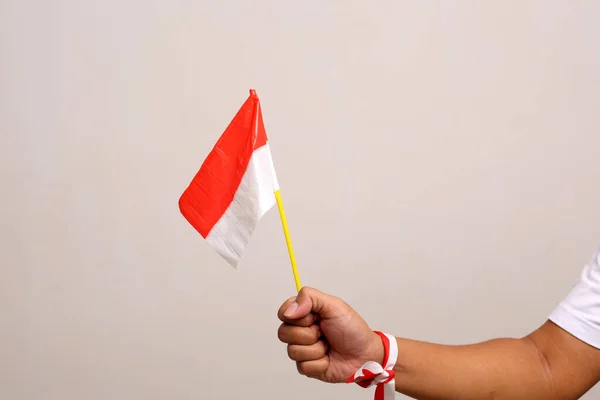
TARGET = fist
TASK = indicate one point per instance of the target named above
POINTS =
(326, 338)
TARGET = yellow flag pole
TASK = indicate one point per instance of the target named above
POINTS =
(286, 232)
(288, 241)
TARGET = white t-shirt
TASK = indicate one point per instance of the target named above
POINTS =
(579, 312)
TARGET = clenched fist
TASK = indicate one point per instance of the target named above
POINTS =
(328, 340)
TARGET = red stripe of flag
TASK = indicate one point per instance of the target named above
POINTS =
(212, 189)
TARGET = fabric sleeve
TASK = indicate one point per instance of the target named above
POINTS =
(579, 312)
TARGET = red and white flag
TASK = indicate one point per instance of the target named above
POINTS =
(235, 186)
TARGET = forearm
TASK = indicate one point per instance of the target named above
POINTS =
(500, 369)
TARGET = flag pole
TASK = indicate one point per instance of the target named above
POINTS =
(288, 241)
(286, 233)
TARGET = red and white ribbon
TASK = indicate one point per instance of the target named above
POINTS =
(372, 373)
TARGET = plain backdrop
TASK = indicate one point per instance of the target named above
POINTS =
(439, 164)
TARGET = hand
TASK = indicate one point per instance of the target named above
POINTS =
(328, 340)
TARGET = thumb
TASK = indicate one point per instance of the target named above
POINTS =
(308, 301)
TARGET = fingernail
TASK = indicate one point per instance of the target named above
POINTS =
(293, 307)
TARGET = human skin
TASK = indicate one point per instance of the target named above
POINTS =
(329, 341)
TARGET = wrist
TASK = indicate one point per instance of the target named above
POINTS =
(376, 349)
(379, 369)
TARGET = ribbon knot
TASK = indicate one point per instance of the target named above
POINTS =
(373, 373)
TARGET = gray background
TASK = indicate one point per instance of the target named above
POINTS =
(438, 162)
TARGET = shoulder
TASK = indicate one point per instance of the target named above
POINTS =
(579, 312)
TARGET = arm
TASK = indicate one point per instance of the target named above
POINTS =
(329, 341)
(548, 364)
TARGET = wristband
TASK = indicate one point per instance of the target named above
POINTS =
(372, 373)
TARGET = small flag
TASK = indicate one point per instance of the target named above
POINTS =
(235, 186)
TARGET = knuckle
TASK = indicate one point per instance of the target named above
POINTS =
(321, 349)
(305, 321)
(310, 320)
(281, 334)
(315, 334)
(303, 368)
(292, 352)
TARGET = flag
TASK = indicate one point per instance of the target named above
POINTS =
(235, 185)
